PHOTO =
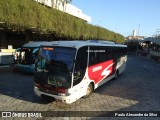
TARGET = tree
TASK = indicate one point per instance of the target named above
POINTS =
(64, 2)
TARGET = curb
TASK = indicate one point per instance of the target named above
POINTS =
(153, 57)
(156, 58)
(4, 66)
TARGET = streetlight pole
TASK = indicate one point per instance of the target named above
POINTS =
(138, 39)
(138, 29)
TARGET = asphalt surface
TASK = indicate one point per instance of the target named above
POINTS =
(137, 89)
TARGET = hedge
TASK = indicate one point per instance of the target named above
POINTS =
(27, 14)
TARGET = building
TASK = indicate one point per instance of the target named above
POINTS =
(10, 36)
(65, 6)
(135, 36)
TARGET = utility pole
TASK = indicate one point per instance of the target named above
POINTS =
(157, 32)
(138, 29)
(138, 39)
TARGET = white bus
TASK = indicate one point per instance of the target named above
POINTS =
(69, 70)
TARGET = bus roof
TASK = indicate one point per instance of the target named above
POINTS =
(35, 44)
(78, 44)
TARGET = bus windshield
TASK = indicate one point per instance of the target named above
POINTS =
(26, 56)
(54, 66)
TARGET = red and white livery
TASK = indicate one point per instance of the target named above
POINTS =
(69, 70)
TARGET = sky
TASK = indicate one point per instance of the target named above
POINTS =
(123, 16)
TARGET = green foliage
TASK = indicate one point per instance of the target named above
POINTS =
(25, 14)
(133, 46)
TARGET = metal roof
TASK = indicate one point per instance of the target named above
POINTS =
(78, 44)
(35, 44)
(153, 40)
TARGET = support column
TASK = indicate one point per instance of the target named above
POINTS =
(3, 42)
(29, 36)
(148, 48)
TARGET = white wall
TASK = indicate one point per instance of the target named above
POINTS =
(66, 7)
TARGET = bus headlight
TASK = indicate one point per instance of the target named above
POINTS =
(64, 94)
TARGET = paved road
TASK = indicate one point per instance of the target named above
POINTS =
(137, 89)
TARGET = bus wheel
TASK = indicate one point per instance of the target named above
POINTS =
(89, 90)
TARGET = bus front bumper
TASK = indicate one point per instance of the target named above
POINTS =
(66, 99)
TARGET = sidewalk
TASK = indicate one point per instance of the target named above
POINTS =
(152, 55)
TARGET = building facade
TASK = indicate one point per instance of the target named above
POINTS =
(12, 37)
(65, 6)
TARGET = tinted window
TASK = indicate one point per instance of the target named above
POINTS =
(102, 54)
(97, 55)
(80, 64)
(110, 53)
(26, 56)
(54, 66)
(93, 56)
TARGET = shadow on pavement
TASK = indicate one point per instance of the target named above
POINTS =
(140, 82)
(19, 86)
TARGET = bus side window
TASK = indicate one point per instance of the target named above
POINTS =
(109, 53)
(116, 53)
(93, 56)
(80, 65)
(102, 54)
